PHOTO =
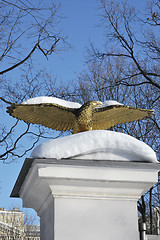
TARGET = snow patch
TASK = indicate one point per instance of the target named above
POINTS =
(61, 102)
(99, 145)
(111, 103)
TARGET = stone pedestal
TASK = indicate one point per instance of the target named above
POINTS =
(85, 199)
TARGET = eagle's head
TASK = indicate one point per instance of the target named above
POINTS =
(86, 110)
(90, 105)
(95, 104)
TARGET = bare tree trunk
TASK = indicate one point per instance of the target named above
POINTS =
(150, 208)
(144, 210)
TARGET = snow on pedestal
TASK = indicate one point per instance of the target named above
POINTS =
(86, 186)
(99, 145)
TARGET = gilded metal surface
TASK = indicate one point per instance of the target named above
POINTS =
(87, 117)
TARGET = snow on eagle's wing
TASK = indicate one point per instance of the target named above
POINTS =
(47, 114)
(106, 117)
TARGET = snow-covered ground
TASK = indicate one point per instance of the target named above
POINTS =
(99, 145)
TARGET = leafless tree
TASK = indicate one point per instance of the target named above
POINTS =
(132, 36)
(29, 30)
(27, 27)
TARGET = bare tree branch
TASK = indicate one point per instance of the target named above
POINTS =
(21, 62)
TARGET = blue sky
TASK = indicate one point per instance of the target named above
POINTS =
(81, 26)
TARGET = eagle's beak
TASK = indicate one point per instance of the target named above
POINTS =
(99, 104)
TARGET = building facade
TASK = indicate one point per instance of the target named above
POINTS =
(12, 226)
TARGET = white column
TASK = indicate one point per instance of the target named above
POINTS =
(85, 199)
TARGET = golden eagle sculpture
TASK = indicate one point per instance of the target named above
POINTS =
(61, 115)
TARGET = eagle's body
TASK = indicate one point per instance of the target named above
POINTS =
(90, 116)
(84, 116)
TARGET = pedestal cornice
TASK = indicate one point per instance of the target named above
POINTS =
(69, 178)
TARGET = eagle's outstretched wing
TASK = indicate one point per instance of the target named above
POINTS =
(106, 117)
(47, 114)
